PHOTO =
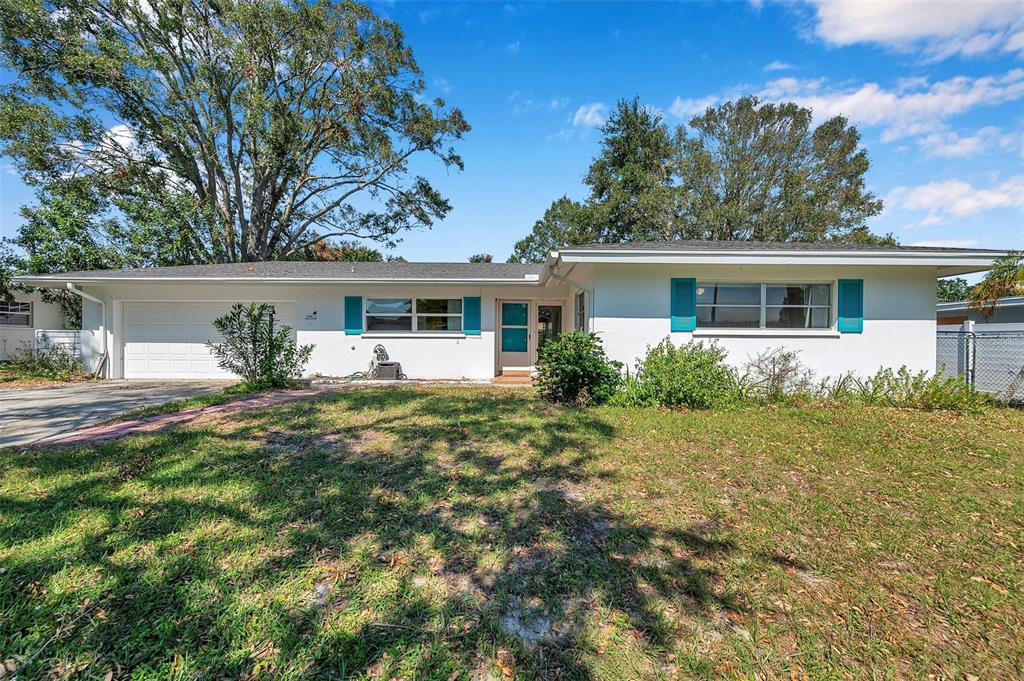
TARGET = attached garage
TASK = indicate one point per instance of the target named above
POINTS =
(168, 339)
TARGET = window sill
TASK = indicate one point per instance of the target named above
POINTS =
(415, 334)
(767, 333)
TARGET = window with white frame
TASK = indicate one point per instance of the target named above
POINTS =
(764, 306)
(414, 314)
(15, 314)
(581, 311)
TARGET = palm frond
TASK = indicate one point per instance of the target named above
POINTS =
(1006, 278)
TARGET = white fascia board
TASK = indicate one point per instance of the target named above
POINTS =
(960, 262)
(530, 279)
(958, 305)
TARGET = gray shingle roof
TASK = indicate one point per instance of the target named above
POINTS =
(696, 245)
(312, 271)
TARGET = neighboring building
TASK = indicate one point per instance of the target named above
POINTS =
(20, 318)
(1007, 311)
(844, 307)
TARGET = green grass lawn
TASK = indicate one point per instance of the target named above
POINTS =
(465, 533)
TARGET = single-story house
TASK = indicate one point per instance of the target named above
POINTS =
(21, 317)
(846, 308)
(1007, 311)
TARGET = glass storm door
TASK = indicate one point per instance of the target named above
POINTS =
(549, 324)
(514, 340)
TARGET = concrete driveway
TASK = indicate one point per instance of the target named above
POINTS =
(30, 414)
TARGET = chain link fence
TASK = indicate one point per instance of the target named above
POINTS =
(991, 361)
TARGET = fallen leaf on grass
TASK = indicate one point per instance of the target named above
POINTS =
(9, 666)
(506, 663)
(992, 584)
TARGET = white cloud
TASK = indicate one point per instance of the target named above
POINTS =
(563, 135)
(1013, 142)
(957, 198)
(512, 47)
(950, 144)
(693, 106)
(522, 103)
(527, 103)
(590, 115)
(443, 85)
(938, 29)
(120, 135)
(913, 107)
(947, 243)
(777, 66)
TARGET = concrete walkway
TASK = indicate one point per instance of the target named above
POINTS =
(31, 414)
(156, 422)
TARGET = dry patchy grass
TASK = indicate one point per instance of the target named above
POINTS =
(454, 533)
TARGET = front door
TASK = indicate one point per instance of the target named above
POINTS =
(514, 338)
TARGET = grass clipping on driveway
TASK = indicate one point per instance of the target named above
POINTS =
(470, 534)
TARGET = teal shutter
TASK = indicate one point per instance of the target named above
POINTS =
(353, 315)
(471, 316)
(684, 304)
(851, 306)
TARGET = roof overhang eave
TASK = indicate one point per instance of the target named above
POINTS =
(61, 282)
(947, 263)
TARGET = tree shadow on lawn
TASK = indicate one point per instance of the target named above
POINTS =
(427, 534)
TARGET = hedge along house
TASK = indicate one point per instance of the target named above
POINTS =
(845, 308)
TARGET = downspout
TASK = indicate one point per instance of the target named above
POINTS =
(575, 284)
(103, 322)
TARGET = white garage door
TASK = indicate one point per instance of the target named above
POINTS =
(168, 340)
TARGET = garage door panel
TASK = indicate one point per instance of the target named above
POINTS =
(168, 340)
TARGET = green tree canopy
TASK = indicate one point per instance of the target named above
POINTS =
(481, 257)
(741, 171)
(952, 290)
(565, 223)
(247, 129)
(753, 171)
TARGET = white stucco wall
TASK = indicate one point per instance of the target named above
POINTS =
(44, 316)
(452, 356)
(632, 302)
(629, 309)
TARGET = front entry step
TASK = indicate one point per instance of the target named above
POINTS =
(514, 377)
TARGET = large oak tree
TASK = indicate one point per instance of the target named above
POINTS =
(238, 130)
(741, 171)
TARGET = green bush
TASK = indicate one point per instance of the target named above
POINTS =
(55, 363)
(257, 350)
(573, 369)
(923, 390)
(691, 375)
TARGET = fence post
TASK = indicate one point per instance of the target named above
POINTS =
(969, 350)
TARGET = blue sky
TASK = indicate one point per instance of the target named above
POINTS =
(935, 88)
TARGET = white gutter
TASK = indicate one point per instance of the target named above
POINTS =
(566, 280)
(103, 320)
(946, 264)
(956, 306)
(531, 279)
(793, 252)
(552, 262)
